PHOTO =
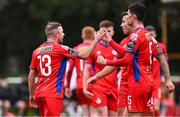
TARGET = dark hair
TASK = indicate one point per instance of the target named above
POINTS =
(123, 14)
(138, 9)
(51, 26)
(106, 23)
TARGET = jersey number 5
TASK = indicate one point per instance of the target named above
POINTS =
(46, 61)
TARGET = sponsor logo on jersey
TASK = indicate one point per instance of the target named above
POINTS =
(45, 49)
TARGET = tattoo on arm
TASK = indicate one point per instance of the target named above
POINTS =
(164, 66)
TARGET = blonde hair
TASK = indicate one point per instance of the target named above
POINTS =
(88, 32)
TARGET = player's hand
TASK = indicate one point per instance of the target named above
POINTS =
(92, 80)
(88, 94)
(99, 34)
(108, 37)
(169, 86)
(32, 102)
(68, 93)
(101, 60)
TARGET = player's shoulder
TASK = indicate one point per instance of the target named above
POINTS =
(64, 47)
(138, 33)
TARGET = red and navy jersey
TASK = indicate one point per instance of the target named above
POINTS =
(108, 53)
(145, 47)
(49, 60)
(125, 69)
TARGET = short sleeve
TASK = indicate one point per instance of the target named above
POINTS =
(33, 61)
(135, 38)
(68, 52)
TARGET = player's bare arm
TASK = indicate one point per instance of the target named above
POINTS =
(85, 78)
(87, 53)
(101, 60)
(31, 80)
(165, 69)
(107, 70)
(68, 92)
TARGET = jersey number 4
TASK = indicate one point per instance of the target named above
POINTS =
(45, 64)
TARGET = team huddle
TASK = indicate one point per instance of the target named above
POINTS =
(97, 61)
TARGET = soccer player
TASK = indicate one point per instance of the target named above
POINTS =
(104, 92)
(156, 68)
(138, 55)
(122, 103)
(83, 101)
(49, 62)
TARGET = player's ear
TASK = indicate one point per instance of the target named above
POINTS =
(82, 37)
(134, 16)
(55, 32)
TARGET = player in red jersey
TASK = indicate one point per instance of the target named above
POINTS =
(49, 62)
(138, 55)
(156, 68)
(122, 103)
(104, 92)
(83, 101)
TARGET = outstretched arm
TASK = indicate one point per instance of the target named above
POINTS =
(87, 53)
(165, 70)
(127, 59)
(106, 71)
(120, 50)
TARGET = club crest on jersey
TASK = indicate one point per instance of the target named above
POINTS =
(134, 37)
(98, 52)
(98, 100)
(45, 49)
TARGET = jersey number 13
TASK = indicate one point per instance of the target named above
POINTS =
(45, 64)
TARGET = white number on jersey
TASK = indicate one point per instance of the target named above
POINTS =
(46, 70)
(150, 51)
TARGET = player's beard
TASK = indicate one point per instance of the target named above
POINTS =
(60, 40)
